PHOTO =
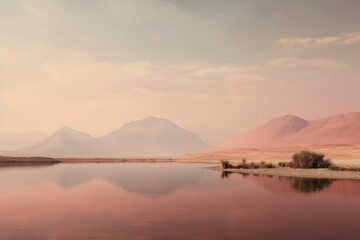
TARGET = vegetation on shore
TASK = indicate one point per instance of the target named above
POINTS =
(306, 160)
(28, 159)
(245, 165)
(300, 160)
(309, 160)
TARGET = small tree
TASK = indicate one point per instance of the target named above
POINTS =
(226, 164)
(307, 159)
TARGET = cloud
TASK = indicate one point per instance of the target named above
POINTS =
(80, 76)
(69, 88)
(317, 64)
(310, 42)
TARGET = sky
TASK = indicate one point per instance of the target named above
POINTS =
(208, 65)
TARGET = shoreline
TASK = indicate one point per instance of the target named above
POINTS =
(29, 160)
(278, 171)
(294, 172)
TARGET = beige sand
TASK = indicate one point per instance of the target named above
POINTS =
(339, 154)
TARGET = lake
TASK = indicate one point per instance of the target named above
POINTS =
(171, 201)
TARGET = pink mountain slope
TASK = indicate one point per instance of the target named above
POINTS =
(339, 129)
(295, 131)
(270, 134)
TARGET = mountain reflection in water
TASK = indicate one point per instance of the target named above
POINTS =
(142, 178)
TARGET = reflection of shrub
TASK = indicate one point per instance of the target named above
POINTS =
(225, 174)
(308, 185)
(307, 159)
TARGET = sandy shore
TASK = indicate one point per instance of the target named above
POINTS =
(291, 172)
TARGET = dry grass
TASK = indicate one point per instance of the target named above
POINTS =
(339, 168)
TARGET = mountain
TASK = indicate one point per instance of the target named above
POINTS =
(270, 134)
(67, 142)
(339, 129)
(149, 137)
(155, 137)
(294, 131)
(11, 141)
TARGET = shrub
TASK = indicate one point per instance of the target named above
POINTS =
(307, 159)
(244, 165)
(268, 165)
(226, 164)
(283, 164)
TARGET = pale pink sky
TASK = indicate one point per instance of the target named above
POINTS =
(94, 65)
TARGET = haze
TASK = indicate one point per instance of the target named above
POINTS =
(210, 66)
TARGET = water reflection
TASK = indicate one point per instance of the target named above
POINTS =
(97, 201)
(304, 185)
(147, 179)
(4, 164)
(226, 174)
(310, 185)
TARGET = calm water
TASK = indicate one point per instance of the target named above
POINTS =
(171, 201)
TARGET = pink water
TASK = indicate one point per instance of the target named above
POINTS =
(171, 201)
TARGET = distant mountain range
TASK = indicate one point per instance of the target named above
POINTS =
(157, 137)
(291, 130)
(149, 137)
(11, 141)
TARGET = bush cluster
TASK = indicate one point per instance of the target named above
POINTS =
(245, 165)
(307, 159)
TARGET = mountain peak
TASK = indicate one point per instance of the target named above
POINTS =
(66, 129)
(66, 142)
(151, 122)
(286, 119)
(154, 136)
(71, 132)
(152, 119)
(285, 125)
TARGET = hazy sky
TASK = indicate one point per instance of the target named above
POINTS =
(222, 64)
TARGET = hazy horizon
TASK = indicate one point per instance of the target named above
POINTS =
(209, 66)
